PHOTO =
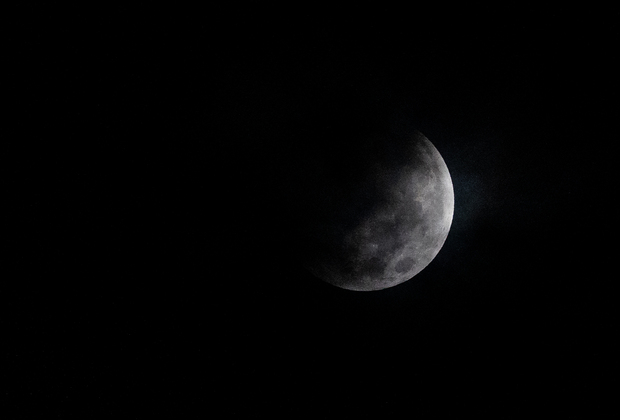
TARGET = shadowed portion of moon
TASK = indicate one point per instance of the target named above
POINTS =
(382, 222)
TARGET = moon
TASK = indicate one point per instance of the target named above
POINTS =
(386, 221)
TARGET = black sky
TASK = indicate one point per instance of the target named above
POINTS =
(159, 164)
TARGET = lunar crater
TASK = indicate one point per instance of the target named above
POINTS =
(404, 265)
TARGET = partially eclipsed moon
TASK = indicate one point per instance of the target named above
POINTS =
(389, 226)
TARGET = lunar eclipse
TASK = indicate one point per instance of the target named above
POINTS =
(383, 225)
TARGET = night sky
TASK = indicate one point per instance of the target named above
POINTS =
(160, 167)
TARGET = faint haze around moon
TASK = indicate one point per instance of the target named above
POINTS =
(384, 223)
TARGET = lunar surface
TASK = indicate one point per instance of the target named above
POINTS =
(385, 223)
